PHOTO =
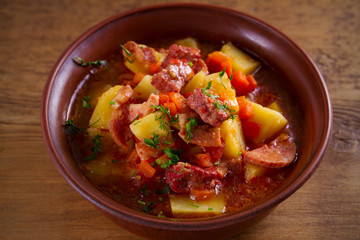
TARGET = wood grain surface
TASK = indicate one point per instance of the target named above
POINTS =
(37, 203)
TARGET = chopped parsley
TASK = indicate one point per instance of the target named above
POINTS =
(92, 124)
(210, 209)
(173, 155)
(79, 61)
(204, 91)
(190, 64)
(85, 102)
(190, 128)
(153, 142)
(221, 74)
(135, 119)
(217, 163)
(165, 190)
(128, 53)
(161, 214)
(96, 149)
(195, 205)
(216, 102)
(73, 129)
(141, 202)
(166, 112)
(112, 103)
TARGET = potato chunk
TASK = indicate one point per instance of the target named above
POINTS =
(231, 133)
(270, 122)
(188, 42)
(183, 205)
(252, 171)
(144, 89)
(146, 126)
(103, 110)
(241, 61)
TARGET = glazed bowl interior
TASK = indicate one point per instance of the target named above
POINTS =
(203, 22)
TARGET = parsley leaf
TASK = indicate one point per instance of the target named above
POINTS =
(221, 74)
(96, 149)
(204, 91)
(190, 128)
(128, 53)
(173, 155)
(79, 61)
(73, 129)
(153, 142)
(85, 102)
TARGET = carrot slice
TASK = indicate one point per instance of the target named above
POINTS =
(245, 108)
(172, 108)
(240, 83)
(147, 169)
(251, 129)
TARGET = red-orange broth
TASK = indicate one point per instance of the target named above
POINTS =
(129, 186)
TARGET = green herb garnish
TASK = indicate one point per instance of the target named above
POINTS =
(92, 124)
(135, 119)
(210, 209)
(153, 142)
(96, 149)
(85, 102)
(195, 205)
(79, 61)
(161, 214)
(128, 53)
(73, 129)
(141, 202)
(190, 128)
(217, 163)
(165, 190)
(204, 91)
(190, 64)
(221, 74)
(149, 207)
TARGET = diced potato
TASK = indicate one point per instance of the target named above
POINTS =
(231, 133)
(138, 65)
(145, 88)
(241, 61)
(103, 110)
(252, 171)
(274, 106)
(217, 86)
(271, 122)
(182, 205)
(188, 42)
(198, 81)
(146, 126)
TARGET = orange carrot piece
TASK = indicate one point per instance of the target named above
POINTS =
(245, 108)
(228, 67)
(172, 108)
(252, 82)
(147, 169)
(164, 98)
(178, 99)
(214, 62)
(154, 67)
(240, 83)
(138, 77)
(251, 129)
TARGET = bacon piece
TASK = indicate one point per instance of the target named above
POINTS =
(139, 53)
(204, 136)
(143, 109)
(173, 77)
(206, 109)
(280, 153)
(146, 152)
(189, 54)
(185, 178)
(119, 122)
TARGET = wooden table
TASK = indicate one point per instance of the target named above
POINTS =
(37, 203)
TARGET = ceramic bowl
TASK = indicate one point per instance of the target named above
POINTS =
(205, 22)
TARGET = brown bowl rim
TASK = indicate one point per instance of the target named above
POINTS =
(128, 214)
